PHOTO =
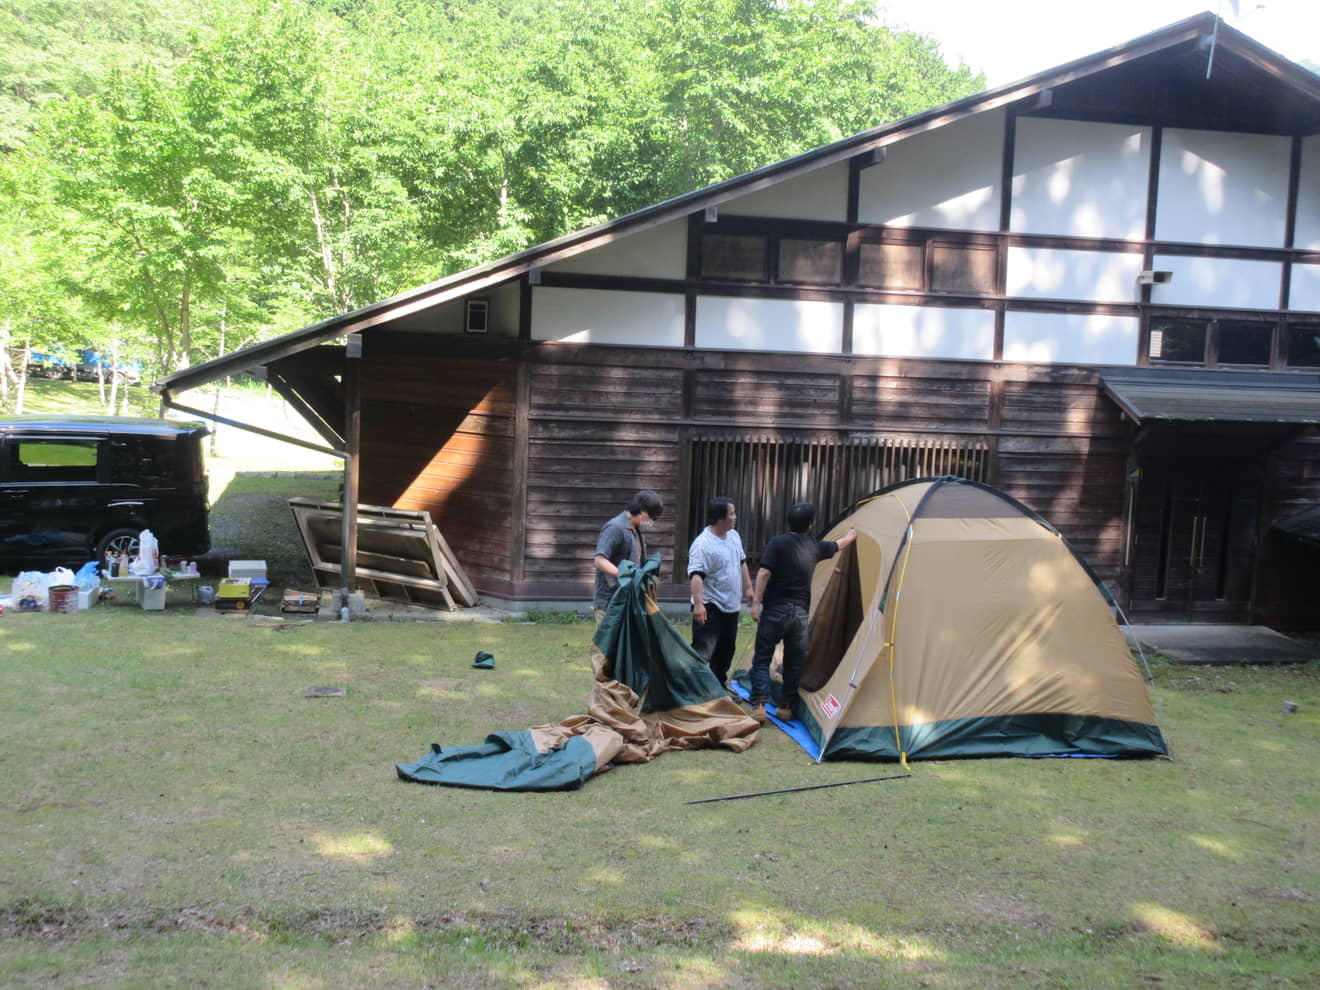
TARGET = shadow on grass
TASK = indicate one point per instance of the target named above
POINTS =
(251, 521)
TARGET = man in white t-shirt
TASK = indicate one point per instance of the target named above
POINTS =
(720, 583)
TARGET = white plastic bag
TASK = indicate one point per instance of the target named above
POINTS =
(148, 559)
(29, 591)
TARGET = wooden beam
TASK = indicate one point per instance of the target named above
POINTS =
(352, 467)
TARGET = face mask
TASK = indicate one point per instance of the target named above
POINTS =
(647, 524)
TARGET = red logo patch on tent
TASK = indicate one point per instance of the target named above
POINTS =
(830, 706)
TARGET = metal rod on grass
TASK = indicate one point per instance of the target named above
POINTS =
(791, 790)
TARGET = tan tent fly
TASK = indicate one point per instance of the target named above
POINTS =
(962, 624)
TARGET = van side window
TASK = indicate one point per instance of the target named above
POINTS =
(144, 461)
(53, 460)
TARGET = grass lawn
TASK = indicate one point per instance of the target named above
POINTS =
(174, 813)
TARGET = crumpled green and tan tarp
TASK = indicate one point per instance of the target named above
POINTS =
(651, 694)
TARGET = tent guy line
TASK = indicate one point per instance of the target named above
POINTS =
(793, 790)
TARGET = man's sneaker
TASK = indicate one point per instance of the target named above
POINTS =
(758, 711)
(784, 713)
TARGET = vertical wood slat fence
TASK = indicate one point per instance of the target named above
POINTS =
(765, 475)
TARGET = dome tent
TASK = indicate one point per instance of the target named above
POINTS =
(962, 624)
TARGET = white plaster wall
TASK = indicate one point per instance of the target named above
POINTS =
(949, 177)
(1070, 338)
(450, 318)
(659, 252)
(1218, 282)
(1307, 233)
(924, 331)
(1304, 292)
(597, 316)
(1081, 179)
(1100, 276)
(505, 310)
(818, 195)
(1221, 188)
(730, 323)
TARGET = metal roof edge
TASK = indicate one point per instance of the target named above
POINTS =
(514, 266)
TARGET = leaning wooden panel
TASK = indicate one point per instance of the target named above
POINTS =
(401, 554)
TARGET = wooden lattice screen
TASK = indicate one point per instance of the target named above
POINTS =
(765, 475)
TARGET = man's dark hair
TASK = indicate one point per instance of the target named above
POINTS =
(646, 501)
(801, 516)
(717, 508)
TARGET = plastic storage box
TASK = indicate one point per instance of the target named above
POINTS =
(247, 569)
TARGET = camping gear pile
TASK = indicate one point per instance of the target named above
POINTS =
(652, 694)
(962, 624)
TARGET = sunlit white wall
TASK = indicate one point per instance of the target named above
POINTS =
(1070, 338)
(591, 316)
(949, 177)
(1307, 233)
(1101, 276)
(1221, 188)
(1305, 293)
(769, 324)
(924, 331)
(1218, 282)
(660, 252)
(1079, 178)
(818, 195)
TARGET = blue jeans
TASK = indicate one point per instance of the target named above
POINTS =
(787, 622)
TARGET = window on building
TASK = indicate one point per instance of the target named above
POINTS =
(811, 262)
(959, 268)
(1304, 345)
(1177, 341)
(1244, 343)
(1247, 343)
(892, 266)
(734, 256)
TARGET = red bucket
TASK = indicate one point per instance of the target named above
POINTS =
(63, 598)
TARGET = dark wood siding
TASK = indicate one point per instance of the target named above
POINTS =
(437, 435)
(1290, 569)
(926, 401)
(1063, 450)
(440, 421)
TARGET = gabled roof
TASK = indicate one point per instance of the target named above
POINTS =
(1158, 77)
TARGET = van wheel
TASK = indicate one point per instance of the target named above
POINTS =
(118, 541)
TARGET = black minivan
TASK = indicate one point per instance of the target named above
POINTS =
(73, 488)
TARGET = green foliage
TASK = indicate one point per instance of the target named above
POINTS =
(288, 160)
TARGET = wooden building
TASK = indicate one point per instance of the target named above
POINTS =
(1097, 289)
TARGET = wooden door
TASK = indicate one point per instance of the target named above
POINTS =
(1194, 549)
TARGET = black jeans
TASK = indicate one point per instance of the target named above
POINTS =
(714, 640)
(787, 622)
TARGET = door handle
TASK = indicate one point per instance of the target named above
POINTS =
(1200, 553)
(1191, 549)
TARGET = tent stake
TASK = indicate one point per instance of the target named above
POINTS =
(791, 790)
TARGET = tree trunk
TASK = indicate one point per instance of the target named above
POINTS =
(6, 371)
(20, 387)
(115, 379)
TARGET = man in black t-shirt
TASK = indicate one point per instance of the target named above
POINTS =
(781, 601)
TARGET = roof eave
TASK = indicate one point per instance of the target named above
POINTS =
(516, 265)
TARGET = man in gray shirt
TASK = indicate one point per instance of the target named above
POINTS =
(622, 538)
(717, 574)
